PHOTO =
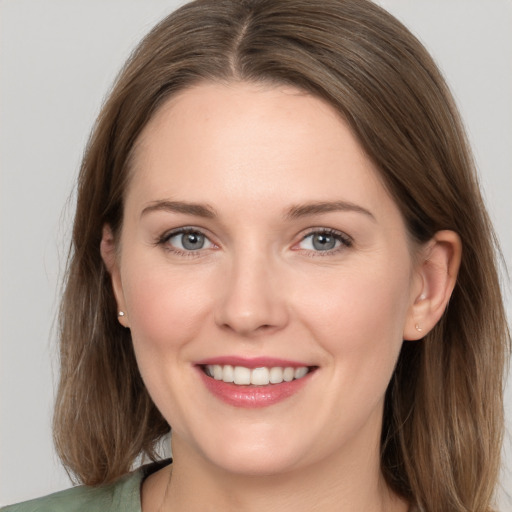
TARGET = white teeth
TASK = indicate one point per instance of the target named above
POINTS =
(242, 375)
(260, 376)
(276, 375)
(228, 373)
(288, 374)
(263, 376)
(300, 372)
(217, 372)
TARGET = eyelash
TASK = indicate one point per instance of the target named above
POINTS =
(345, 241)
(339, 236)
(164, 239)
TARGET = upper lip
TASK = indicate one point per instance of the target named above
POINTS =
(251, 362)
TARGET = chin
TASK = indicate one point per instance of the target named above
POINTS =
(253, 454)
(261, 462)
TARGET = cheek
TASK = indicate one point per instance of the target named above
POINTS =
(359, 325)
(166, 308)
(359, 315)
(166, 312)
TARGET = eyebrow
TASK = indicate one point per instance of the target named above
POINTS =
(295, 212)
(198, 210)
(316, 208)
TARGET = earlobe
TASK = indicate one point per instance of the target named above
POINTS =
(437, 270)
(109, 256)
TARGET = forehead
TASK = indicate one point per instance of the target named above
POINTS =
(251, 143)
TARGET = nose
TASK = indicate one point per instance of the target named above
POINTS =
(252, 301)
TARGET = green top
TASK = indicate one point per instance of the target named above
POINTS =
(121, 495)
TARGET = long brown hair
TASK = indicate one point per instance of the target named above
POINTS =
(443, 418)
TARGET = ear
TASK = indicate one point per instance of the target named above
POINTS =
(110, 259)
(436, 272)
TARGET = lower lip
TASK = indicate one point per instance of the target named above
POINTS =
(251, 397)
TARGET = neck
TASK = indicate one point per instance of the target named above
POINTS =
(338, 483)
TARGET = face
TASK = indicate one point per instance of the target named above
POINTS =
(259, 245)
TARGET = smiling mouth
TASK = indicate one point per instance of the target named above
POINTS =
(263, 376)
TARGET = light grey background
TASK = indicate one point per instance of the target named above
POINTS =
(57, 61)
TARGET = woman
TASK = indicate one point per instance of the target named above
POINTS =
(276, 196)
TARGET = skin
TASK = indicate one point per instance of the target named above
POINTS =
(250, 153)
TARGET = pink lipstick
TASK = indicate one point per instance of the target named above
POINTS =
(253, 382)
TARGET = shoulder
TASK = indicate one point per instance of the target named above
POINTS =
(122, 495)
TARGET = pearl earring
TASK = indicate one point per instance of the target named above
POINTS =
(121, 313)
(418, 328)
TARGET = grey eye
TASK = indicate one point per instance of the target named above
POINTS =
(189, 241)
(192, 241)
(323, 241)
